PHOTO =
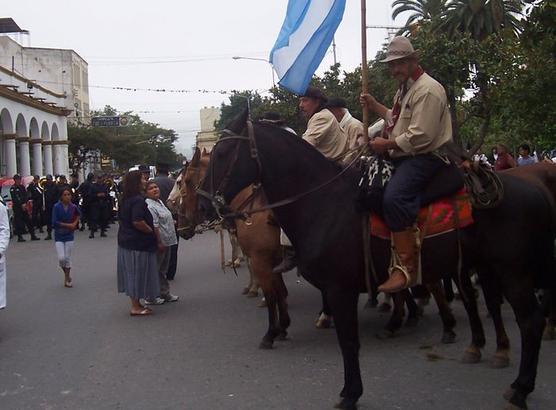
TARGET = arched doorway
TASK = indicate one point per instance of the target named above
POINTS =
(36, 146)
(7, 132)
(46, 149)
(22, 133)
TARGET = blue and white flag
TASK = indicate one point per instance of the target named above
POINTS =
(305, 36)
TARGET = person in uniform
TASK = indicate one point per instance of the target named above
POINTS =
(99, 208)
(36, 194)
(324, 133)
(417, 125)
(84, 191)
(19, 208)
(51, 196)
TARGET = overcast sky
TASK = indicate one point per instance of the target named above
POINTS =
(179, 45)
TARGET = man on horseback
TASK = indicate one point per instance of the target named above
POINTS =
(416, 126)
(325, 134)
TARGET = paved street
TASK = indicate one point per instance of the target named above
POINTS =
(79, 348)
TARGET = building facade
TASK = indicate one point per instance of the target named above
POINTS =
(207, 137)
(61, 71)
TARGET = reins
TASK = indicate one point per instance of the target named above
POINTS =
(218, 201)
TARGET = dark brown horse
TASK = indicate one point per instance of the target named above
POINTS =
(258, 236)
(319, 215)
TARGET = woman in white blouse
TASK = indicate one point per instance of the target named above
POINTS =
(4, 242)
(166, 237)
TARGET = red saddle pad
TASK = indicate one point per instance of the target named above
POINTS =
(434, 219)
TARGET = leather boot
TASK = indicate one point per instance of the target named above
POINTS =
(20, 238)
(404, 269)
(289, 261)
(35, 237)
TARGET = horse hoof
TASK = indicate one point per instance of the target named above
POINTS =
(471, 356)
(384, 307)
(283, 337)
(508, 394)
(411, 321)
(265, 345)
(448, 337)
(245, 291)
(323, 322)
(252, 294)
(500, 361)
(262, 303)
(371, 304)
(385, 334)
(346, 404)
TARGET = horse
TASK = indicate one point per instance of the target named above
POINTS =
(259, 236)
(315, 203)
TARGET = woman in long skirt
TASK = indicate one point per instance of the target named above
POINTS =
(137, 246)
(65, 220)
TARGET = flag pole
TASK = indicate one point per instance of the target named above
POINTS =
(364, 68)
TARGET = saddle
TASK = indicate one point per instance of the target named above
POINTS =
(445, 206)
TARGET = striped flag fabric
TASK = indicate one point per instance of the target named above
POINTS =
(305, 36)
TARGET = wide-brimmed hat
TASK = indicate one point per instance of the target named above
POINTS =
(399, 47)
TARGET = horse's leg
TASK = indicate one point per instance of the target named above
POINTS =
(283, 314)
(396, 318)
(531, 324)
(448, 319)
(262, 270)
(549, 331)
(250, 283)
(343, 304)
(254, 283)
(472, 353)
(324, 320)
(448, 289)
(493, 300)
(414, 311)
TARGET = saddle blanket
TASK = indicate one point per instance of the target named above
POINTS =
(434, 219)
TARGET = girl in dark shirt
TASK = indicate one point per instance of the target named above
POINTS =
(137, 246)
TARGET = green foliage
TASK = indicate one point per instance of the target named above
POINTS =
(140, 142)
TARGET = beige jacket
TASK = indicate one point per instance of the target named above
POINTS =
(324, 133)
(424, 123)
(352, 127)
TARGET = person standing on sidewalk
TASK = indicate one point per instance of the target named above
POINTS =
(165, 231)
(19, 207)
(65, 220)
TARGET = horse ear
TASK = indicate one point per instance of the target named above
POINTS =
(196, 156)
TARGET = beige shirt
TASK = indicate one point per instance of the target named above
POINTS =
(352, 127)
(324, 133)
(424, 123)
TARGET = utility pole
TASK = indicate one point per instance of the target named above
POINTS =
(334, 49)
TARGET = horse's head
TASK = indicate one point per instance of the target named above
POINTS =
(233, 166)
(191, 178)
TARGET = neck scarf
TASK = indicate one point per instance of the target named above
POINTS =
(396, 109)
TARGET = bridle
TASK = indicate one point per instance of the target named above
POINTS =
(217, 199)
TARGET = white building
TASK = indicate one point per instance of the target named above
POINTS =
(207, 137)
(40, 89)
(62, 71)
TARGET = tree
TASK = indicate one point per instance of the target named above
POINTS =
(139, 142)
(482, 18)
(423, 10)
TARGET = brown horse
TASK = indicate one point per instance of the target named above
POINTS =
(258, 237)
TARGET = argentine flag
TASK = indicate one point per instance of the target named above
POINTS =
(305, 36)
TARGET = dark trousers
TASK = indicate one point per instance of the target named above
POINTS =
(38, 215)
(48, 218)
(99, 215)
(22, 221)
(173, 261)
(402, 196)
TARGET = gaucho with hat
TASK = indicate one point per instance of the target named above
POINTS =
(416, 126)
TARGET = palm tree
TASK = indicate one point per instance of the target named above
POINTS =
(426, 10)
(481, 18)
